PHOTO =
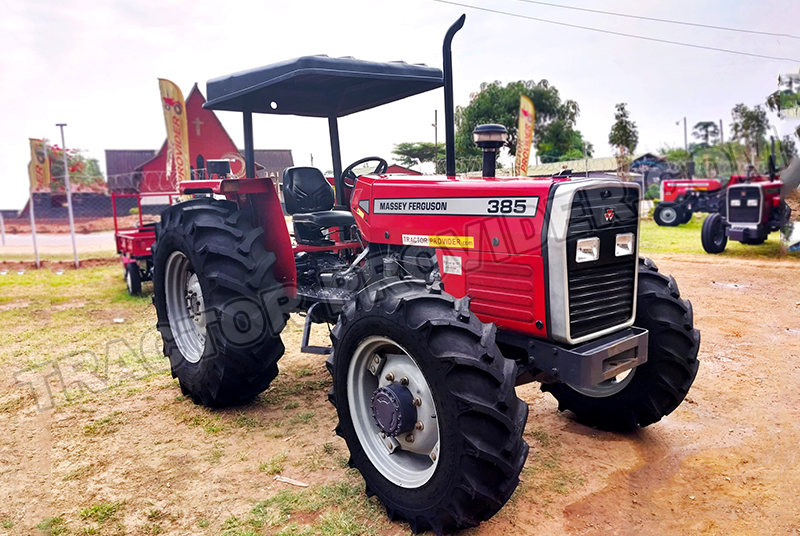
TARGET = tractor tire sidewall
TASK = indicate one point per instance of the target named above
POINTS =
(435, 372)
(658, 214)
(236, 365)
(481, 419)
(660, 384)
(133, 279)
(709, 234)
(687, 216)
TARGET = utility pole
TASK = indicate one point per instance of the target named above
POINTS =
(435, 126)
(68, 188)
(685, 136)
(312, 159)
(721, 134)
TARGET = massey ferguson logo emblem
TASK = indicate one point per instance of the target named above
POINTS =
(609, 214)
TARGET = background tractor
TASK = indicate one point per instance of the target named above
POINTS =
(444, 293)
(752, 210)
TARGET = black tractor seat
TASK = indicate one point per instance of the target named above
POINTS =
(309, 199)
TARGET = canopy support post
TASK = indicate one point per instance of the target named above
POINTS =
(249, 151)
(336, 154)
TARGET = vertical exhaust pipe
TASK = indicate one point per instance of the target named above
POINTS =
(449, 114)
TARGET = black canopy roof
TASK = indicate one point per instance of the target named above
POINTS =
(319, 86)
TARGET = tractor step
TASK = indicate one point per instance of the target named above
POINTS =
(305, 347)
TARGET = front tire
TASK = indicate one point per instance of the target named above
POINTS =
(217, 301)
(448, 359)
(655, 388)
(133, 279)
(687, 216)
(713, 235)
(668, 214)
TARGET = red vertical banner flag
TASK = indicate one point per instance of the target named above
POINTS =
(527, 114)
(178, 165)
(39, 168)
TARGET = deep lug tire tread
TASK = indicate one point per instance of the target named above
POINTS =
(708, 234)
(229, 257)
(659, 385)
(489, 451)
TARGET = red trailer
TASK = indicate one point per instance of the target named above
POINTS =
(134, 233)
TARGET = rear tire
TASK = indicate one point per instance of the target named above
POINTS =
(668, 214)
(133, 279)
(655, 388)
(713, 235)
(217, 301)
(479, 419)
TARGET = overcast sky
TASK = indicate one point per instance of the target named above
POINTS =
(94, 66)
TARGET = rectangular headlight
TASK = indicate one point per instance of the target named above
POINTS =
(624, 245)
(587, 250)
(736, 202)
(752, 202)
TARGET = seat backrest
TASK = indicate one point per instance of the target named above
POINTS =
(305, 189)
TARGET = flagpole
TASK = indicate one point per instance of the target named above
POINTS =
(33, 227)
(69, 195)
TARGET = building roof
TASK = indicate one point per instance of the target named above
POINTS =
(606, 164)
(273, 161)
(319, 86)
(120, 163)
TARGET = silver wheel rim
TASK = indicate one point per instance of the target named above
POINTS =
(669, 215)
(185, 307)
(609, 387)
(406, 463)
(129, 281)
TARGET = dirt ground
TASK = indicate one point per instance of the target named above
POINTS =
(134, 457)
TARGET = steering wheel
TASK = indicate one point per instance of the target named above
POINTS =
(349, 178)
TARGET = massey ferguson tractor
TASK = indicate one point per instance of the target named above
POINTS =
(680, 198)
(444, 294)
(752, 210)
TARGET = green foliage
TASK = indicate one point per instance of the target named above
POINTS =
(101, 512)
(624, 135)
(788, 149)
(706, 131)
(415, 153)
(53, 526)
(652, 192)
(553, 133)
(83, 171)
(134, 211)
(274, 465)
(750, 127)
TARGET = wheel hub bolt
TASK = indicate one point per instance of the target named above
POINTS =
(419, 426)
(403, 381)
(433, 456)
(390, 377)
(410, 438)
(417, 401)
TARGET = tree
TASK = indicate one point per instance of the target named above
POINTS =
(706, 131)
(83, 171)
(750, 127)
(415, 153)
(788, 148)
(554, 132)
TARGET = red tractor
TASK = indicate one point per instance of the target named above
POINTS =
(754, 210)
(680, 198)
(445, 293)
